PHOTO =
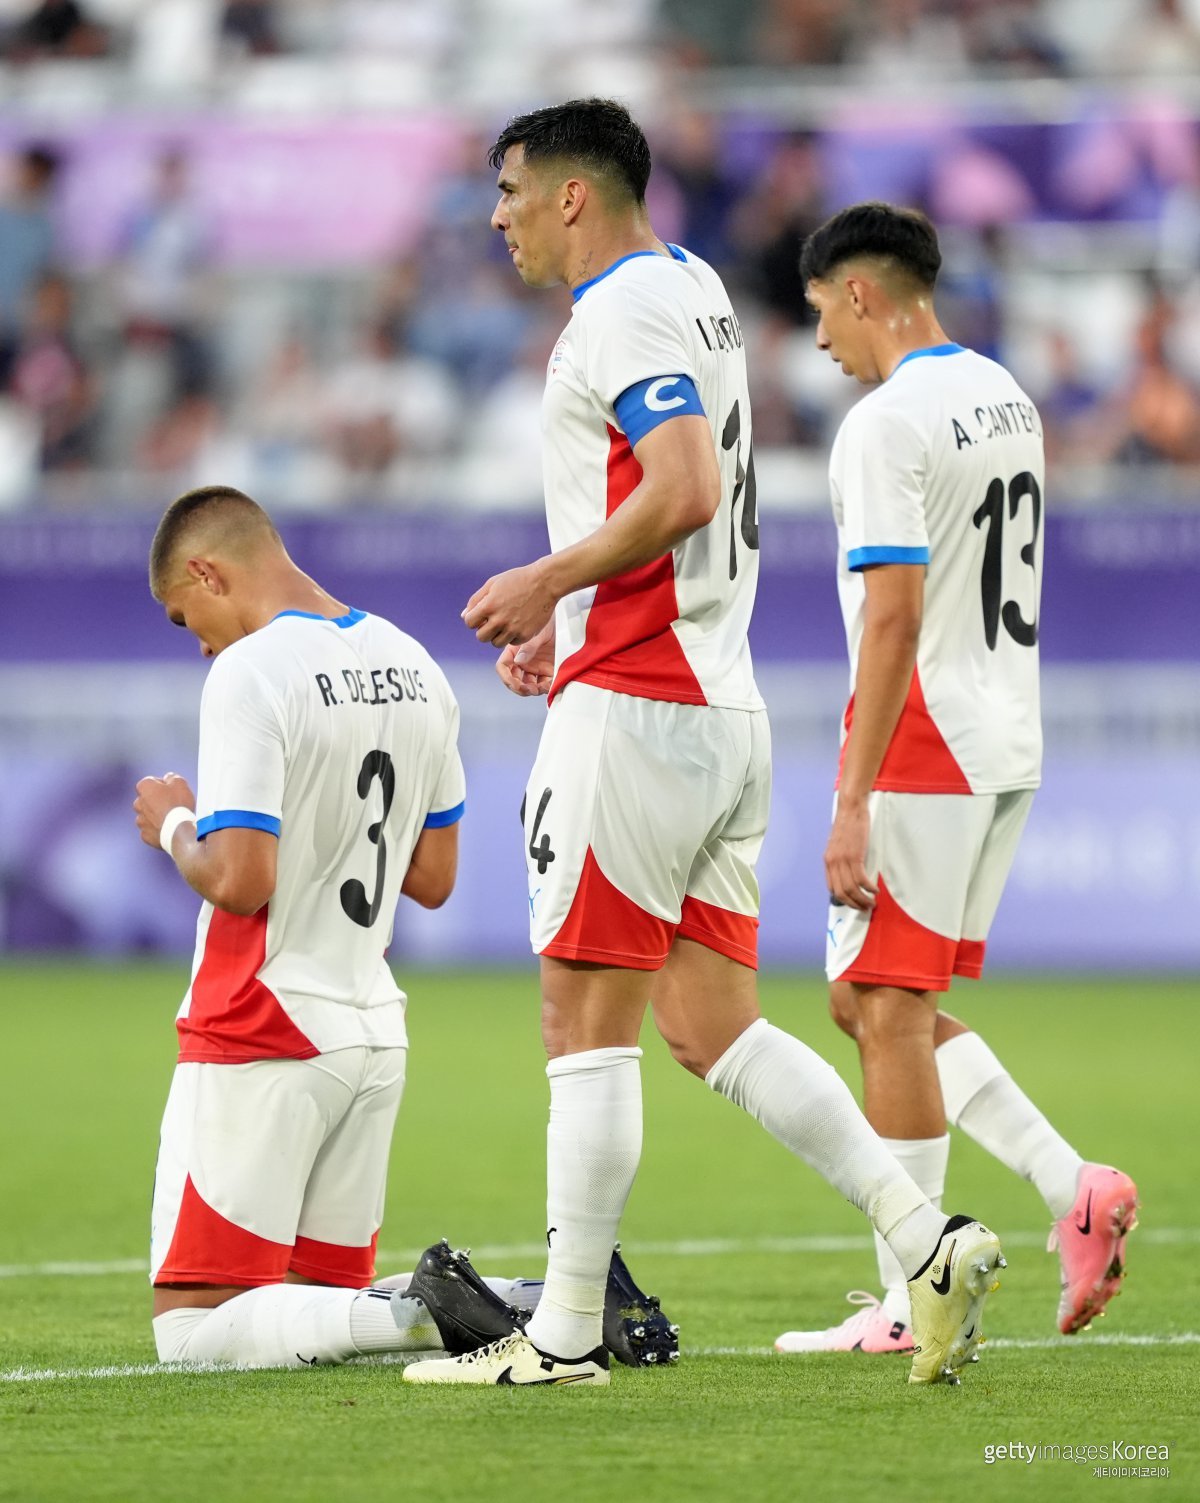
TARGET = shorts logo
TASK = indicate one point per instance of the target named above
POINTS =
(540, 851)
(657, 402)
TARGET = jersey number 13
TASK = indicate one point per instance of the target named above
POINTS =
(998, 607)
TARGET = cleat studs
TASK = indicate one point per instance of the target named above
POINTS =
(674, 1330)
(1001, 1261)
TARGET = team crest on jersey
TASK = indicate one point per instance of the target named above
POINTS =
(557, 357)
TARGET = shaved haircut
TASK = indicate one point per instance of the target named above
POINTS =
(902, 241)
(223, 519)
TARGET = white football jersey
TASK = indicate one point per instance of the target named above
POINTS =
(654, 336)
(340, 737)
(942, 465)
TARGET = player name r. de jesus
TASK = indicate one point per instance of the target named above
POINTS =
(371, 686)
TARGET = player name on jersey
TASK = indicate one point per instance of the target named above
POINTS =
(1001, 420)
(371, 686)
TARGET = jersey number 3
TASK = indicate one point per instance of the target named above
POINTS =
(996, 608)
(355, 903)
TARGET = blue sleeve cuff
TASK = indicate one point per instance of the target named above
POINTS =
(861, 558)
(439, 819)
(643, 406)
(236, 819)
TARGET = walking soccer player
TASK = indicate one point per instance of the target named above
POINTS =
(646, 806)
(937, 477)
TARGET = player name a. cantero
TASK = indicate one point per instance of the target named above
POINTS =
(996, 420)
(1083, 1455)
(371, 686)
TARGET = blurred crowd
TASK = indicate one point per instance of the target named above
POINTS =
(159, 359)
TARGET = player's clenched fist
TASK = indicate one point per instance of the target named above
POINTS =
(511, 607)
(156, 797)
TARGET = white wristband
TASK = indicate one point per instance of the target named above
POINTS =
(175, 817)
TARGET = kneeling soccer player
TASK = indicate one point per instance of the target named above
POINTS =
(329, 783)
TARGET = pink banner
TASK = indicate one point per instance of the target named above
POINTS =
(307, 195)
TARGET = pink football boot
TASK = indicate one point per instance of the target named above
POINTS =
(867, 1330)
(1091, 1244)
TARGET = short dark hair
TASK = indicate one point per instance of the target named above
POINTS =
(596, 133)
(187, 514)
(903, 236)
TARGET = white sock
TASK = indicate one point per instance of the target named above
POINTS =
(593, 1145)
(806, 1106)
(982, 1099)
(925, 1159)
(292, 1325)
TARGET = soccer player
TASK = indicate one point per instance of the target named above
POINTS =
(646, 806)
(937, 485)
(329, 784)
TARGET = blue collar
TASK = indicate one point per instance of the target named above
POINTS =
(934, 349)
(351, 618)
(577, 292)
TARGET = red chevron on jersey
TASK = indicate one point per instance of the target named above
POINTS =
(917, 759)
(231, 1017)
(629, 646)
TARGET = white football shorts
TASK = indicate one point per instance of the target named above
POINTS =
(275, 1166)
(643, 821)
(941, 861)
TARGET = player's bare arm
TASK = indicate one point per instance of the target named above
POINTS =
(232, 869)
(679, 493)
(433, 868)
(887, 656)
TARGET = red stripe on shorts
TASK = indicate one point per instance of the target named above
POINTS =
(898, 951)
(731, 934)
(331, 1263)
(608, 928)
(969, 961)
(208, 1249)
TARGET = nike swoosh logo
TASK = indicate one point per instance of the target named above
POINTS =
(942, 1285)
(1087, 1217)
(505, 1380)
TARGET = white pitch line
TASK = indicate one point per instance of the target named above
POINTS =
(202, 1369)
(712, 1247)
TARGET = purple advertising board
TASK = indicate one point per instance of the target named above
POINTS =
(1120, 584)
(1115, 825)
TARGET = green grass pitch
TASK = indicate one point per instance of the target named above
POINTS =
(722, 1224)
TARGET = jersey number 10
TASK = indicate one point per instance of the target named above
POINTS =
(997, 609)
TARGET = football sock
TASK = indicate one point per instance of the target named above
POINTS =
(806, 1106)
(294, 1325)
(925, 1159)
(593, 1145)
(983, 1100)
